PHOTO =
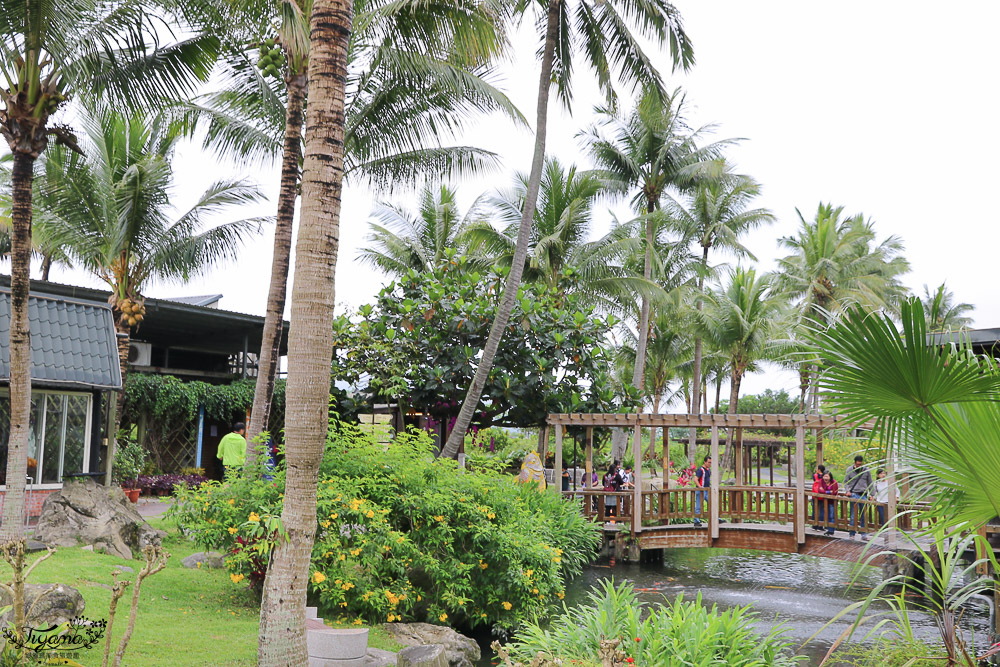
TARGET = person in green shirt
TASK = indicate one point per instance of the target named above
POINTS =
(233, 447)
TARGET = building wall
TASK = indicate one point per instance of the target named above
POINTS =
(34, 500)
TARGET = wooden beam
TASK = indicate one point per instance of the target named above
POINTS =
(800, 485)
(637, 481)
(658, 420)
(713, 495)
(557, 468)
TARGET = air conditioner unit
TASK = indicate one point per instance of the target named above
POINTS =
(140, 354)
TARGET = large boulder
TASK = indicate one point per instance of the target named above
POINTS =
(85, 512)
(59, 604)
(460, 650)
(211, 560)
(423, 656)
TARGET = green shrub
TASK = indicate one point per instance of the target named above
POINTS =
(889, 654)
(679, 633)
(402, 535)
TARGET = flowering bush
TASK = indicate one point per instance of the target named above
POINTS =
(168, 482)
(402, 535)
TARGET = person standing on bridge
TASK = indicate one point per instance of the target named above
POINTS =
(817, 488)
(858, 484)
(828, 487)
(703, 481)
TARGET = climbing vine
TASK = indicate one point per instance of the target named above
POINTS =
(168, 399)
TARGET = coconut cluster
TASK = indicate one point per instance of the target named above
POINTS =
(132, 310)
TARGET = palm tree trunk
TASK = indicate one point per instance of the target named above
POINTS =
(124, 337)
(475, 392)
(619, 444)
(270, 344)
(282, 637)
(696, 366)
(718, 391)
(734, 400)
(46, 267)
(22, 175)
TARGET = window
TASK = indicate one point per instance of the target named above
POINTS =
(58, 441)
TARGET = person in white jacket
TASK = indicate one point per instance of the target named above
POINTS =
(882, 493)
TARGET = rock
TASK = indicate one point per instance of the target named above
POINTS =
(432, 655)
(83, 511)
(123, 568)
(212, 560)
(59, 604)
(89, 547)
(459, 649)
(379, 658)
(31, 546)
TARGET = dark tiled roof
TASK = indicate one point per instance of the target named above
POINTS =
(72, 342)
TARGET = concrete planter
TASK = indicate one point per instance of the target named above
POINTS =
(333, 647)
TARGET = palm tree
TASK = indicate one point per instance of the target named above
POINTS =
(943, 314)
(604, 30)
(53, 52)
(650, 150)
(403, 241)
(835, 263)
(282, 636)
(110, 212)
(409, 88)
(741, 320)
(715, 214)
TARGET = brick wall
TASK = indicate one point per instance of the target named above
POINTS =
(35, 499)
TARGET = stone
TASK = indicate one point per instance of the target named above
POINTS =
(123, 568)
(31, 546)
(431, 655)
(461, 651)
(89, 547)
(211, 560)
(83, 511)
(337, 643)
(47, 604)
(380, 658)
(312, 612)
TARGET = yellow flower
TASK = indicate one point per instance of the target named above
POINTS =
(560, 595)
(334, 515)
(232, 501)
(370, 514)
(355, 552)
(482, 565)
(439, 518)
(232, 530)
(557, 559)
(236, 577)
(357, 621)
(389, 618)
(529, 573)
(318, 577)
(341, 557)
(443, 617)
(356, 504)
(419, 598)
(491, 516)
(254, 517)
(347, 586)
(400, 540)
(325, 524)
(507, 606)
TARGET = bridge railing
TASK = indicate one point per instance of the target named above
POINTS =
(673, 504)
(604, 506)
(845, 513)
(757, 503)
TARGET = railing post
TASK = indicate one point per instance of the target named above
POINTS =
(666, 459)
(800, 484)
(590, 457)
(890, 511)
(713, 496)
(637, 481)
(557, 468)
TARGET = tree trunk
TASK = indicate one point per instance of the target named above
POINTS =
(696, 366)
(270, 344)
(46, 267)
(282, 637)
(734, 402)
(123, 337)
(718, 391)
(22, 176)
(521, 248)
(651, 452)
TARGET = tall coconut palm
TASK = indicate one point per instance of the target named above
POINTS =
(282, 636)
(104, 52)
(741, 320)
(835, 263)
(110, 212)
(715, 215)
(607, 32)
(416, 72)
(401, 241)
(649, 151)
(943, 314)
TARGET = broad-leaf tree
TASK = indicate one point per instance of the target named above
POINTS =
(110, 212)
(607, 33)
(943, 314)
(100, 51)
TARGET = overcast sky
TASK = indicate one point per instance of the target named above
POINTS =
(886, 108)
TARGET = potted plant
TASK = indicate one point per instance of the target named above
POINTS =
(129, 461)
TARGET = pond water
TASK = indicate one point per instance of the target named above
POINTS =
(803, 592)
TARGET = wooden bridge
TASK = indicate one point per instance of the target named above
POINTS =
(747, 515)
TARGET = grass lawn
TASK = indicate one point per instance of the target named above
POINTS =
(187, 618)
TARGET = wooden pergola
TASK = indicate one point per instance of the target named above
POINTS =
(639, 421)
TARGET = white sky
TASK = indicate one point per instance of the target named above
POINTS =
(886, 108)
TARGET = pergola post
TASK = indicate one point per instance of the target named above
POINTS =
(590, 457)
(666, 459)
(557, 468)
(637, 481)
(713, 495)
(890, 511)
(800, 484)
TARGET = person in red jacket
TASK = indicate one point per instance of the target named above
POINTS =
(829, 487)
(817, 480)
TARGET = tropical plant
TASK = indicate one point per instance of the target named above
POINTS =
(835, 263)
(110, 211)
(606, 30)
(942, 313)
(681, 632)
(651, 150)
(130, 459)
(401, 241)
(741, 320)
(310, 344)
(104, 52)
(714, 215)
